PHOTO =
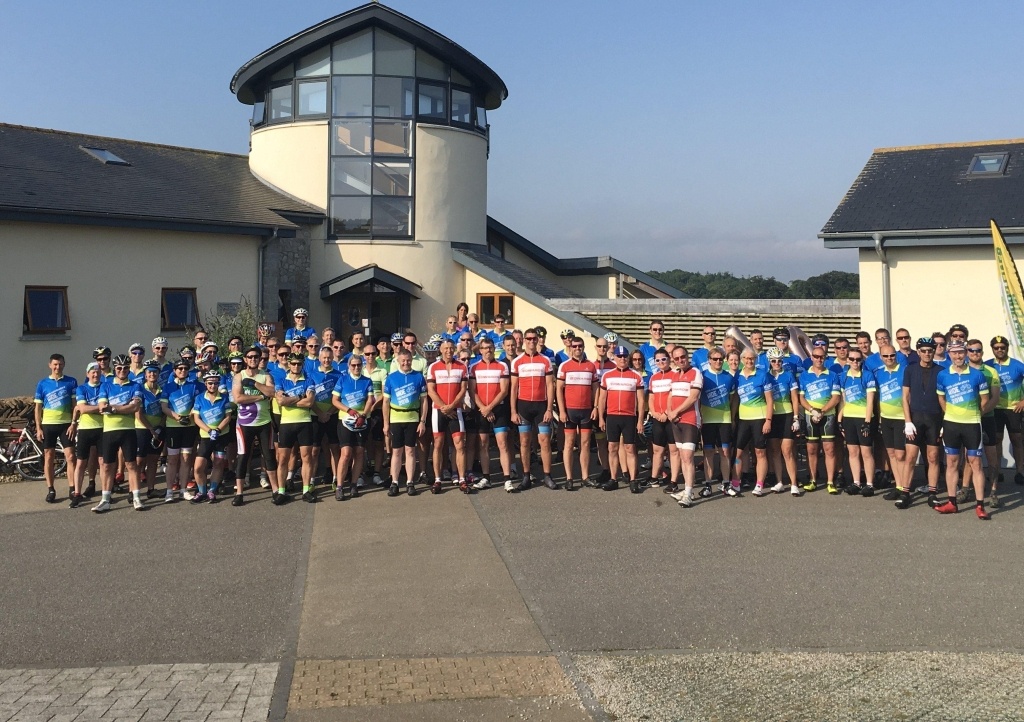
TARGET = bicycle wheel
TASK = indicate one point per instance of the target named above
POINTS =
(60, 462)
(28, 459)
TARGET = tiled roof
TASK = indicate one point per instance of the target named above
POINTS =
(46, 172)
(531, 281)
(928, 187)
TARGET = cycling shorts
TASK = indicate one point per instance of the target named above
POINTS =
(824, 430)
(144, 444)
(349, 438)
(578, 420)
(957, 436)
(500, 425)
(751, 431)
(989, 431)
(325, 430)
(122, 440)
(716, 436)
(661, 432)
(851, 432)
(301, 434)
(532, 415)
(1008, 419)
(181, 437)
(893, 436)
(620, 427)
(928, 426)
(85, 441)
(52, 432)
(403, 434)
(782, 426)
(685, 435)
(209, 447)
(441, 424)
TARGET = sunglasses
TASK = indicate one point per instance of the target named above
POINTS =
(122, 368)
(842, 348)
(212, 381)
(926, 349)
(368, 355)
(715, 358)
(159, 348)
(354, 366)
(138, 352)
(856, 360)
(253, 357)
(664, 360)
(294, 363)
(529, 338)
(903, 338)
(887, 355)
(817, 356)
(658, 330)
(576, 345)
(939, 343)
(601, 345)
(408, 343)
(975, 350)
(678, 358)
(776, 361)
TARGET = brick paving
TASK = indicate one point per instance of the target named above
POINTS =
(143, 693)
(345, 683)
(818, 686)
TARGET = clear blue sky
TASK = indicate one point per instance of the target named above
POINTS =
(698, 135)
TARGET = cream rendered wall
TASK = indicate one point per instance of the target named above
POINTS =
(114, 277)
(451, 185)
(596, 286)
(293, 158)
(933, 288)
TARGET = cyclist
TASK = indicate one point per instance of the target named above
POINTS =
(353, 398)
(497, 333)
(149, 427)
(856, 416)
(683, 413)
(405, 418)
(819, 397)
(159, 347)
(699, 358)
(754, 389)
(447, 384)
(620, 412)
(649, 349)
(717, 397)
(325, 425)
(54, 410)
(532, 395)
(489, 388)
(300, 328)
(659, 396)
(295, 395)
(211, 414)
(251, 391)
(89, 431)
(962, 392)
(567, 335)
(989, 432)
(892, 424)
(576, 385)
(137, 352)
(177, 397)
(785, 424)
(375, 440)
(1011, 401)
(922, 417)
(119, 399)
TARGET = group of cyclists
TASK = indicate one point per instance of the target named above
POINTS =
(326, 411)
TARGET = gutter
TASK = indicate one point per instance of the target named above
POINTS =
(259, 272)
(886, 297)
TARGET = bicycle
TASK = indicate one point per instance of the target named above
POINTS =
(25, 455)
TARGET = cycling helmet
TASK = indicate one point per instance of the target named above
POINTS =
(542, 332)
(431, 346)
(819, 339)
(611, 337)
(122, 360)
(436, 338)
(298, 338)
(187, 350)
(773, 353)
(300, 312)
(354, 422)
(150, 363)
(136, 347)
(567, 333)
(159, 341)
(780, 331)
(101, 351)
(211, 375)
(396, 337)
(265, 329)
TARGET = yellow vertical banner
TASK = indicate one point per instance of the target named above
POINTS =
(1012, 292)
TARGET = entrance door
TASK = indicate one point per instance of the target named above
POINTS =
(376, 312)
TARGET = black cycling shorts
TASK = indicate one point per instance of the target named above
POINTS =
(122, 440)
(376, 420)
(989, 432)
(578, 420)
(209, 447)
(52, 432)
(85, 441)
(144, 444)
(716, 435)
(403, 434)
(956, 436)
(685, 434)
(532, 415)
(824, 430)
(928, 426)
(852, 431)
(782, 426)
(661, 432)
(751, 431)
(1008, 419)
(300, 434)
(893, 434)
(349, 438)
(620, 427)
(441, 424)
(501, 424)
(181, 437)
(325, 430)
(246, 437)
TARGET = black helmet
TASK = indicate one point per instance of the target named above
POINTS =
(122, 360)
(101, 351)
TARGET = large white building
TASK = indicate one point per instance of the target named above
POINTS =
(363, 199)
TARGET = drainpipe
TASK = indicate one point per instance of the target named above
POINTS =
(259, 272)
(886, 298)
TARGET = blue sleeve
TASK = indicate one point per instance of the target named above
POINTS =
(39, 391)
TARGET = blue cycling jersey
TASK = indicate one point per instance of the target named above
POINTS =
(323, 384)
(180, 398)
(818, 389)
(293, 332)
(355, 391)
(212, 411)
(57, 397)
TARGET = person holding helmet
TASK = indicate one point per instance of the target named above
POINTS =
(119, 399)
(353, 396)
(300, 328)
(149, 427)
(211, 414)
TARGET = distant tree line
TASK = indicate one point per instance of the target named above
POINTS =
(834, 284)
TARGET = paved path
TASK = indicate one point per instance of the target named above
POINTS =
(543, 605)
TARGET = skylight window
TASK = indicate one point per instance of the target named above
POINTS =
(104, 156)
(988, 164)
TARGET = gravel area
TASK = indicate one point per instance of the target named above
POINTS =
(807, 686)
